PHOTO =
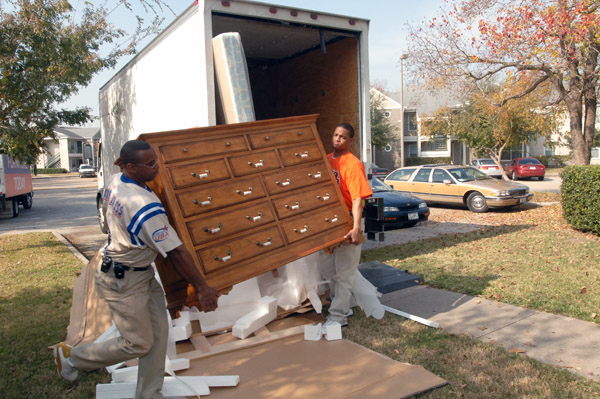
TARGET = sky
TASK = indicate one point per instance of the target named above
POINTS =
(387, 35)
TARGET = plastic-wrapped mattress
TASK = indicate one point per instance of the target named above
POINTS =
(233, 82)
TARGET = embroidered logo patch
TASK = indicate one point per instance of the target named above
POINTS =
(160, 234)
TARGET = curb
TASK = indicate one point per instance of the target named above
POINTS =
(74, 250)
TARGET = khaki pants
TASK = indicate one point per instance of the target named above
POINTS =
(341, 268)
(137, 306)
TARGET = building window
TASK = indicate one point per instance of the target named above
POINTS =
(410, 121)
(387, 114)
(438, 143)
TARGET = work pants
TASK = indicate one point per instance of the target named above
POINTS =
(340, 269)
(137, 307)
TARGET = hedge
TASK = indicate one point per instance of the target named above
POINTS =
(553, 160)
(415, 161)
(50, 171)
(580, 197)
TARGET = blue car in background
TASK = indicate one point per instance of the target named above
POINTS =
(399, 209)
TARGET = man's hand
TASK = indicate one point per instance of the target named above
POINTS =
(354, 235)
(208, 298)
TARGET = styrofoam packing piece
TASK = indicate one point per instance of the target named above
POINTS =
(180, 333)
(365, 295)
(111, 332)
(266, 312)
(130, 373)
(429, 323)
(333, 331)
(312, 332)
(171, 387)
(241, 300)
(315, 301)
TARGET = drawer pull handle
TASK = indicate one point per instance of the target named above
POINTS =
(244, 193)
(267, 138)
(228, 144)
(300, 133)
(201, 176)
(225, 258)
(203, 203)
(302, 155)
(215, 230)
(335, 219)
(293, 207)
(255, 218)
(256, 165)
(185, 150)
(285, 183)
(264, 244)
(315, 176)
(325, 198)
(303, 230)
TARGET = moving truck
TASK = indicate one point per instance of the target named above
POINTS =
(15, 187)
(299, 62)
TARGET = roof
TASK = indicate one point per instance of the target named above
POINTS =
(78, 132)
(426, 102)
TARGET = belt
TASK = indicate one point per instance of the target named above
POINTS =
(135, 269)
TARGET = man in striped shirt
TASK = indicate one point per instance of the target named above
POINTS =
(138, 231)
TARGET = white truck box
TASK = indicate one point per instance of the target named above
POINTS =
(15, 187)
(299, 62)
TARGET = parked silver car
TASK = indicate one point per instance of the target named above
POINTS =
(487, 166)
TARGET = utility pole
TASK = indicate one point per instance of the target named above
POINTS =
(402, 157)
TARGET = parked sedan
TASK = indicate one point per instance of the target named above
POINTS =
(525, 167)
(87, 171)
(487, 166)
(399, 209)
(458, 185)
(378, 171)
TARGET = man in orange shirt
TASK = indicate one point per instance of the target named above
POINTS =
(341, 267)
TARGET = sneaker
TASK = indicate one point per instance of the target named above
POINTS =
(330, 322)
(66, 370)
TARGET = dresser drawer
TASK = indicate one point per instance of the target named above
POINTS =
(274, 138)
(241, 249)
(300, 154)
(291, 179)
(198, 173)
(215, 226)
(204, 148)
(205, 199)
(304, 200)
(255, 162)
(318, 221)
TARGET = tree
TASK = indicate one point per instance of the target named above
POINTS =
(547, 41)
(381, 127)
(45, 57)
(488, 128)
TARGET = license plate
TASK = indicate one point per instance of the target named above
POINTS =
(532, 168)
(522, 200)
(413, 216)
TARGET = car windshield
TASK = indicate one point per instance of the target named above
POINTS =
(378, 186)
(468, 174)
(85, 167)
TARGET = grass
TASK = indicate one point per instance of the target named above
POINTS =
(37, 274)
(36, 279)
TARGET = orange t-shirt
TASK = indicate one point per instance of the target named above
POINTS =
(350, 174)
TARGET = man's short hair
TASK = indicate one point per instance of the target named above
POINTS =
(348, 127)
(130, 149)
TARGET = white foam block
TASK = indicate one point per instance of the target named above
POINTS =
(130, 373)
(333, 331)
(266, 312)
(180, 332)
(171, 387)
(312, 332)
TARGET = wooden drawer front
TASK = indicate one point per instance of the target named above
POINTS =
(198, 173)
(195, 149)
(300, 154)
(206, 199)
(317, 222)
(238, 250)
(213, 227)
(305, 200)
(286, 180)
(255, 162)
(270, 139)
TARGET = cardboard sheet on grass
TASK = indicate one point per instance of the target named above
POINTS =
(293, 368)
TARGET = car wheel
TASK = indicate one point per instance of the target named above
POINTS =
(15, 204)
(101, 217)
(541, 178)
(28, 201)
(514, 176)
(476, 203)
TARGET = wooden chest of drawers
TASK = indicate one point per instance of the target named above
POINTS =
(246, 198)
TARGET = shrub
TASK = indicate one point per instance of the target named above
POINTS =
(50, 171)
(557, 161)
(580, 192)
(415, 161)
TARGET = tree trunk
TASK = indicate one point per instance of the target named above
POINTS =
(577, 137)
